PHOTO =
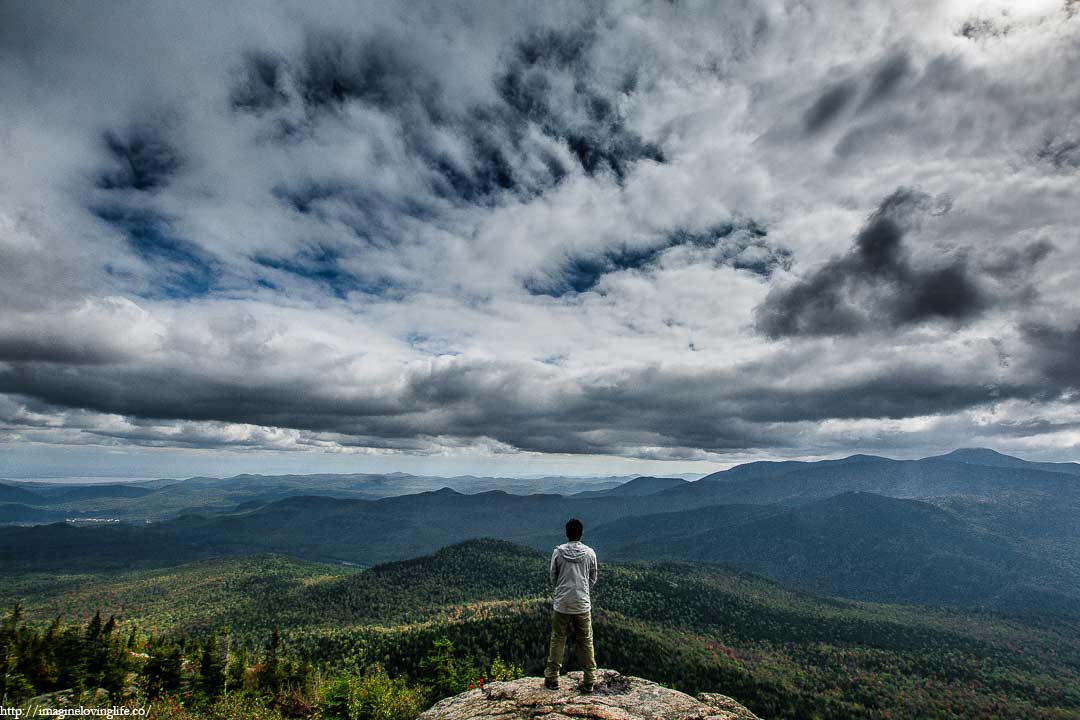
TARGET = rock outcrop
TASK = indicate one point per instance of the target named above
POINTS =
(617, 697)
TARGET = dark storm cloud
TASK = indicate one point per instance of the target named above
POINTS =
(879, 285)
(1056, 354)
(887, 78)
(336, 69)
(879, 82)
(723, 410)
(1011, 262)
(534, 86)
(1062, 153)
(149, 393)
(742, 246)
(545, 87)
(141, 158)
(141, 161)
(526, 406)
(829, 105)
(51, 347)
(260, 86)
(906, 390)
(981, 28)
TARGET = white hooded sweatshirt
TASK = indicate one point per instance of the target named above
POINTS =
(573, 570)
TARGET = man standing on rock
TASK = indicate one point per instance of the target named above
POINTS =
(573, 570)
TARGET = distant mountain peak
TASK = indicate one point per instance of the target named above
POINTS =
(981, 456)
(978, 452)
(652, 481)
(863, 457)
(640, 485)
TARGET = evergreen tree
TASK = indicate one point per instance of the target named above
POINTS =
(270, 674)
(93, 630)
(100, 663)
(234, 673)
(443, 674)
(71, 657)
(226, 633)
(8, 655)
(211, 677)
(163, 670)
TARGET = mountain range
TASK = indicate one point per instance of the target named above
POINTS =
(972, 528)
(692, 625)
(163, 498)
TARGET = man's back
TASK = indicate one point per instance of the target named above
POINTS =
(574, 572)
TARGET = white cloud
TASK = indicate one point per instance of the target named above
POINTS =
(326, 225)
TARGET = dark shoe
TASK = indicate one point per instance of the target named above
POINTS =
(551, 683)
(587, 687)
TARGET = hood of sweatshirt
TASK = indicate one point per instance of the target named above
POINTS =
(573, 551)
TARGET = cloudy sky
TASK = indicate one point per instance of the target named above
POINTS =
(515, 238)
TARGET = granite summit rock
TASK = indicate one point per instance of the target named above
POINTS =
(617, 697)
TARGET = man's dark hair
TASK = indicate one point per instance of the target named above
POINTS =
(573, 529)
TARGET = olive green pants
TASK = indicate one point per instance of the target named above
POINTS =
(560, 628)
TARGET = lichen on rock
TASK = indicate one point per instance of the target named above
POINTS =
(616, 697)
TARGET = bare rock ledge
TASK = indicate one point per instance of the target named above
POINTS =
(617, 697)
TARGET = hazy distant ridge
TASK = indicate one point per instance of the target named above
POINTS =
(943, 530)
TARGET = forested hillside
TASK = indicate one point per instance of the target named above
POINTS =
(954, 550)
(698, 627)
(336, 593)
(165, 498)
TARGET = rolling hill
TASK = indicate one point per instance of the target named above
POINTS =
(162, 499)
(991, 458)
(796, 483)
(949, 532)
(695, 626)
(644, 485)
(14, 494)
(855, 544)
(861, 545)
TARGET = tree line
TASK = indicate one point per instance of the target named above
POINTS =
(95, 664)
